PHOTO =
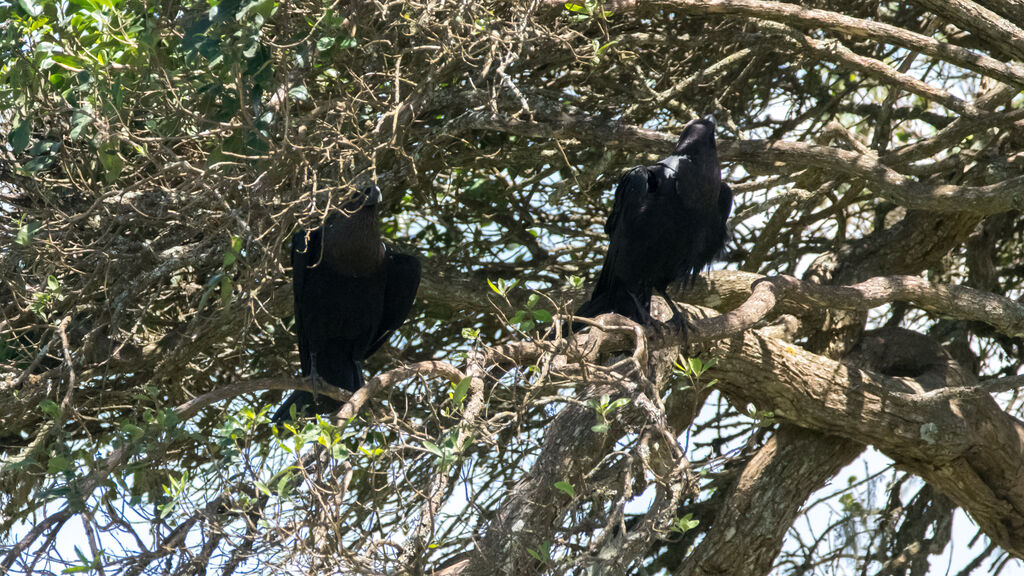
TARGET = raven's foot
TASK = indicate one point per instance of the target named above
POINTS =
(680, 321)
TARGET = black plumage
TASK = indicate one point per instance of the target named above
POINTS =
(351, 293)
(668, 222)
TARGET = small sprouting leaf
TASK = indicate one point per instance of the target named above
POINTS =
(600, 428)
(567, 488)
(576, 281)
(433, 448)
(618, 403)
(299, 92)
(494, 288)
(470, 333)
(685, 524)
(573, 7)
(532, 301)
(51, 283)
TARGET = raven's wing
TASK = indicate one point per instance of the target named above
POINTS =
(305, 251)
(402, 280)
(724, 202)
(629, 196)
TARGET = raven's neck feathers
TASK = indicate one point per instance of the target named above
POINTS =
(352, 245)
(672, 162)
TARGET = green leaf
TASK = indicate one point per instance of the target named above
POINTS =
(58, 464)
(133, 431)
(299, 92)
(532, 300)
(52, 283)
(234, 249)
(79, 121)
(600, 428)
(433, 448)
(608, 45)
(339, 452)
(619, 402)
(470, 333)
(112, 162)
(30, 7)
(226, 286)
(72, 63)
(262, 487)
(19, 137)
(461, 389)
(50, 408)
(574, 7)
(324, 43)
(567, 488)
(696, 367)
(25, 233)
(685, 524)
(165, 509)
(542, 316)
(283, 485)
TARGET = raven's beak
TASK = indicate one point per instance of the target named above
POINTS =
(710, 118)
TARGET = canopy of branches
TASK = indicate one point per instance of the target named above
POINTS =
(157, 157)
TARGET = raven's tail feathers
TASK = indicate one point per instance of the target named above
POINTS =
(612, 295)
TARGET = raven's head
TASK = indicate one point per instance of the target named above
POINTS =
(351, 241)
(698, 136)
(369, 196)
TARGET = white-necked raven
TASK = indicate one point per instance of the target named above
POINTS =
(351, 293)
(667, 224)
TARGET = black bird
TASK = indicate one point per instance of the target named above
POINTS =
(667, 224)
(351, 293)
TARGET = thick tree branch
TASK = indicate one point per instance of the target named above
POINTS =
(969, 449)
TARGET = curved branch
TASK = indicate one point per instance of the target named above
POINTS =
(840, 23)
(981, 200)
